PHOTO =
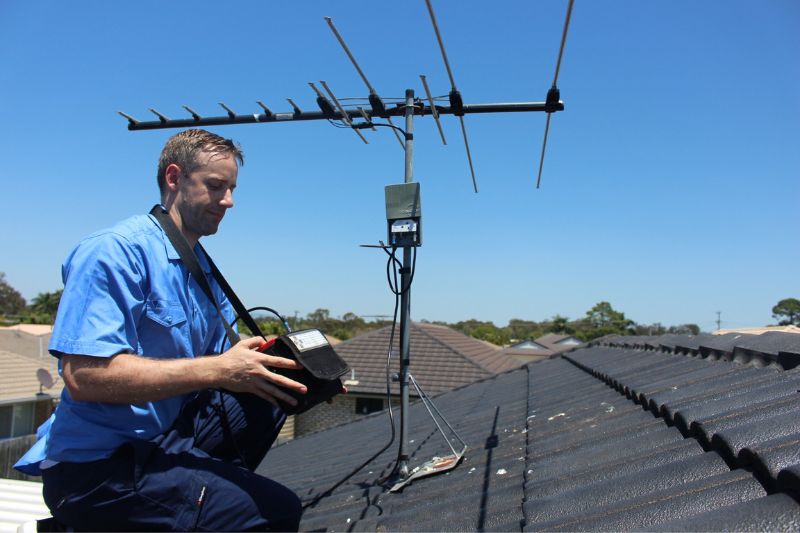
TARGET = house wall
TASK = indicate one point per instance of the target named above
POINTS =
(340, 411)
(44, 408)
(324, 415)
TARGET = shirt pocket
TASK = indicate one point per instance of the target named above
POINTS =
(167, 314)
(164, 332)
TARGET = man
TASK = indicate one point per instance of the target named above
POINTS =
(153, 433)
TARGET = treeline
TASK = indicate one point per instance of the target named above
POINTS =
(600, 320)
(14, 309)
(348, 326)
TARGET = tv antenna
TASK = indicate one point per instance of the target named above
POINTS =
(402, 201)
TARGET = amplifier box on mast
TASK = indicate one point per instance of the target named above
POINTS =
(404, 214)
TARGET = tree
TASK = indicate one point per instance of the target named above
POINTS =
(602, 319)
(318, 316)
(11, 301)
(560, 324)
(685, 329)
(46, 303)
(787, 312)
(519, 330)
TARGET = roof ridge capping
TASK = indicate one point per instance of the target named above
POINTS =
(776, 348)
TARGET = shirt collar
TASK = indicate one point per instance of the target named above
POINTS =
(172, 253)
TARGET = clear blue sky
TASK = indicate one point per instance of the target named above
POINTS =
(670, 186)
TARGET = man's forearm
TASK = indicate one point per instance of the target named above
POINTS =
(127, 378)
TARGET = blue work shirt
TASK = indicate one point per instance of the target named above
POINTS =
(125, 291)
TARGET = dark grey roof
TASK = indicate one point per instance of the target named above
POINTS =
(602, 438)
(782, 347)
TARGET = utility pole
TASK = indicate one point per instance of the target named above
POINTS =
(719, 321)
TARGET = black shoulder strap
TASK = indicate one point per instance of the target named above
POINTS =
(238, 306)
(189, 259)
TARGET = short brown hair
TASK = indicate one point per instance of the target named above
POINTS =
(184, 147)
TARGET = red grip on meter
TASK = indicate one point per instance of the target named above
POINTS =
(265, 345)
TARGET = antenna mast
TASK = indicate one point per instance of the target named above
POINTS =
(405, 300)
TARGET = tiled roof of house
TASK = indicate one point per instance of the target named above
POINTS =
(614, 436)
(442, 358)
(31, 329)
(555, 338)
(541, 353)
(22, 342)
(545, 346)
(18, 379)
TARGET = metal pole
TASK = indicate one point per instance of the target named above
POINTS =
(405, 300)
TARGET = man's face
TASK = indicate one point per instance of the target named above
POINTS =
(205, 194)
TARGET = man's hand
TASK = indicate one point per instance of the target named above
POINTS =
(246, 370)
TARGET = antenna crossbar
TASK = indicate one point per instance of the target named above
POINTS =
(297, 115)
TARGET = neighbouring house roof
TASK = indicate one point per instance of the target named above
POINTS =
(554, 338)
(441, 358)
(528, 345)
(528, 351)
(758, 331)
(18, 379)
(623, 435)
(31, 329)
(545, 346)
(559, 343)
(21, 504)
(24, 342)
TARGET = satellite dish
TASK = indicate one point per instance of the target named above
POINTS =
(45, 379)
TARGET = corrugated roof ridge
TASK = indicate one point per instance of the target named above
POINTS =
(731, 456)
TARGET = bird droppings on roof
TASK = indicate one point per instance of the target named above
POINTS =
(631, 435)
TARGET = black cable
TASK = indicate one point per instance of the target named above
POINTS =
(223, 411)
(284, 322)
(393, 260)
(226, 428)
(340, 125)
(388, 126)
(397, 293)
(388, 380)
(360, 467)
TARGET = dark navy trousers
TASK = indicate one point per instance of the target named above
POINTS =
(192, 477)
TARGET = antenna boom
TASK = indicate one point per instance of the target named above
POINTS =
(256, 118)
